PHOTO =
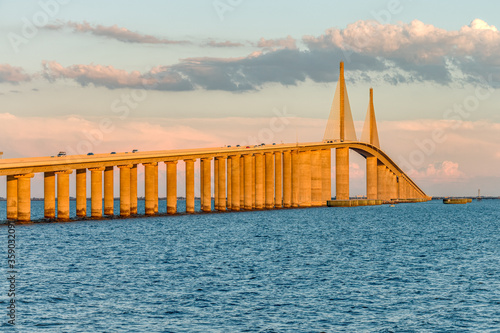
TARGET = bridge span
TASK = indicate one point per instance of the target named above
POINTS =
(262, 177)
(244, 178)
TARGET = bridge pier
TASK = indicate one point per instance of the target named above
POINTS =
(371, 178)
(287, 179)
(316, 178)
(216, 184)
(63, 194)
(259, 181)
(269, 174)
(81, 192)
(305, 178)
(149, 187)
(221, 183)
(326, 173)
(235, 182)
(96, 192)
(133, 189)
(109, 199)
(155, 197)
(342, 173)
(49, 195)
(295, 178)
(24, 197)
(248, 204)
(171, 187)
(242, 182)
(207, 184)
(189, 186)
(12, 198)
(125, 190)
(278, 182)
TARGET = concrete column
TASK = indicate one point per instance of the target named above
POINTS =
(278, 181)
(221, 183)
(189, 186)
(216, 183)
(109, 197)
(229, 184)
(287, 179)
(269, 174)
(253, 182)
(242, 182)
(316, 179)
(207, 185)
(259, 181)
(149, 187)
(125, 189)
(394, 189)
(381, 184)
(49, 195)
(81, 192)
(371, 177)
(247, 189)
(133, 189)
(295, 178)
(12, 198)
(96, 192)
(305, 179)
(24, 197)
(202, 183)
(171, 187)
(63, 194)
(388, 182)
(326, 175)
(342, 173)
(156, 188)
(235, 182)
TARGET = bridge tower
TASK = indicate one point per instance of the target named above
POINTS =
(370, 135)
(340, 128)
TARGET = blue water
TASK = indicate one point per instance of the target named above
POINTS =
(423, 267)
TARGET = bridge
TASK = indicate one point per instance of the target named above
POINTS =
(244, 178)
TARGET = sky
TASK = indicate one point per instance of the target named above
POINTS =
(81, 76)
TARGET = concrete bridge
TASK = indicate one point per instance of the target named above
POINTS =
(244, 178)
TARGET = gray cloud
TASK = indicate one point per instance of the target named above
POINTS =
(394, 54)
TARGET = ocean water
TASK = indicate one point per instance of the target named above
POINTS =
(425, 267)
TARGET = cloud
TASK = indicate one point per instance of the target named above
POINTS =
(114, 32)
(112, 78)
(223, 44)
(373, 52)
(12, 74)
(273, 44)
(447, 171)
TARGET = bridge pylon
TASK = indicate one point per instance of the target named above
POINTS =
(340, 126)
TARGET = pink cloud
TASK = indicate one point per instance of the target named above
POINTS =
(111, 77)
(447, 171)
(415, 42)
(114, 32)
(282, 43)
(12, 74)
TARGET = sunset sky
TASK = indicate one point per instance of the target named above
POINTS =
(101, 76)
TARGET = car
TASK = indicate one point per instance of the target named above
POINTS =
(229, 146)
(248, 146)
(274, 143)
(61, 154)
(237, 146)
(135, 151)
(263, 144)
(90, 154)
(113, 152)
